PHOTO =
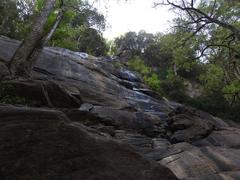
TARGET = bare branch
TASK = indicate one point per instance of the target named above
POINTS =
(191, 11)
(213, 8)
(214, 45)
(192, 3)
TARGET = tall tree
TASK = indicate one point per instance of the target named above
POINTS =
(134, 43)
(21, 63)
(214, 23)
(76, 30)
(15, 18)
(92, 42)
(212, 29)
(206, 12)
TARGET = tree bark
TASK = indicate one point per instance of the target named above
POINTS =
(21, 63)
(175, 69)
(53, 29)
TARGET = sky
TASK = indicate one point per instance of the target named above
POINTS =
(133, 15)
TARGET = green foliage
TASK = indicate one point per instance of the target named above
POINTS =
(78, 18)
(92, 42)
(167, 51)
(232, 88)
(153, 82)
(217, 97)
(173, 88)
(75, 31)
(39, 5)
(137, 64)
(65, 37)
(149, 77)
(209, 56)
(15, 18)
(134, 43)
(216, 104)
(159, 54)
(212, 80)
(112, 48)
(117, 64)
(7, 98)
(232, 92)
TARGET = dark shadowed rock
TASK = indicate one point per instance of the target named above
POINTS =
(4, 73)
(181, 122)
(44, 144)
(187, 126)
(144, 123)
(198, 130)
(42, 93)
(59, 97)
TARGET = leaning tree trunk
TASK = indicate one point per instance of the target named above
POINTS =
(21, 63)
(54, 28)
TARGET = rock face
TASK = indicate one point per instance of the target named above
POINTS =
(44, 144)
(42, 93)
(189, 127)
(4, 71)
(97, 122)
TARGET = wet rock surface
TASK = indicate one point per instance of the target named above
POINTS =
(116, 117)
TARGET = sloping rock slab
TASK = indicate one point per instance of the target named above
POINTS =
(220, 176)
(92, 82)
(227, 137)
(204, 162)
(43, 144)
(144, 123)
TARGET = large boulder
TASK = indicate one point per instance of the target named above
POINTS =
(44, 144)
(187, 126)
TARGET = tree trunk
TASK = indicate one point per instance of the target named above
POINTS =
(175, 69)
(21, 63)
(45, 40)
(53, 29)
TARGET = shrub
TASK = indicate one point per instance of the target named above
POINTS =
(173, 88)
(137, 64)
(7, 95)
(153, 82)
(149, 77)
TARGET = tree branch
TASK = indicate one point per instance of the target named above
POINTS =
(203, 15)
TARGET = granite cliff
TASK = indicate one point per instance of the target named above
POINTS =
(88, 119)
